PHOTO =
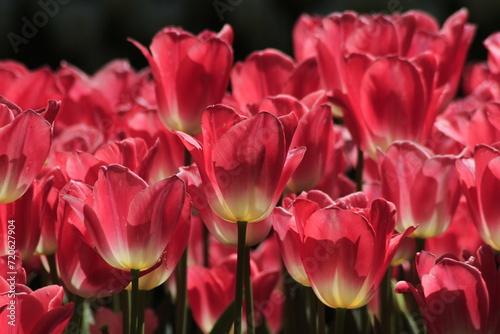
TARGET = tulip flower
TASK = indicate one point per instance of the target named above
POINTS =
(424, 188)
(316, 133)
(82, 270)
(34, 88)
(345, 250)
(461, 236)
(492, 43)
(364, 74)
(224, 231)
(39, 311)
(25, 139)
(130, 223)
(480, 180)
(23, 218)
(262, 74)
(190, 73)
(457, 297)
(244, 163)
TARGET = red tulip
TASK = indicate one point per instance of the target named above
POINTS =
(346, 250)
(222, 230)
(132, 153)
(457, 297)
(424, 188)
(262, 74)
(480, 180)
(82, 270)
(10, 72)
(172, 253)
(461, 236)
(492, 43)
(47, 244)
(21, 220)
(129, 222)
(34, 89)
(25, 139)
(170, 154)
(190, 72)
(316, 133)
(471, 122)
(39, 311)
(363, 60)
(244, 163)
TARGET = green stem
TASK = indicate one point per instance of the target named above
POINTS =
(76, 320)
(420, 244)
(339, 320)
(321, 316)
(240, 269)
(134, 309)
(289, 318)
(181, 300)
(311, 307)
(359, 171)
(249, 294)
(125, 306)
(366, 326)
(387, 303)
(142, 309)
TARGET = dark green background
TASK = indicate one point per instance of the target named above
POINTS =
(90, 33)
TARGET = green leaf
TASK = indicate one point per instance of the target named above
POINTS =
(225, 321)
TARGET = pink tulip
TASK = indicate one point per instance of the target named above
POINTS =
(363, 60)
(82, 270)
(190, 73)
(457, 297)
(344, 249)
(129, 222)
(461, 236)
(25, 139)
(22, 220)
(424, 188)
(480, 180)
(244, 163)
(224, 231)
(39, 311)
(492, 43)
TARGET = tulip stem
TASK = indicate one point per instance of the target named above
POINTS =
(142, 309)
(339, 320)
(359, 171)
(76, 320)
(134, 307)
(125, 306)
(387, 303)
(420, 243)
(240, 271)
(181, 299)
(321, 317)
(249, 294)
(311, 307)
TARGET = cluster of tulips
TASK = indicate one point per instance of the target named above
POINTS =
(203, 195)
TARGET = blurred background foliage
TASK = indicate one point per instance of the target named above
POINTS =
(90, 33)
